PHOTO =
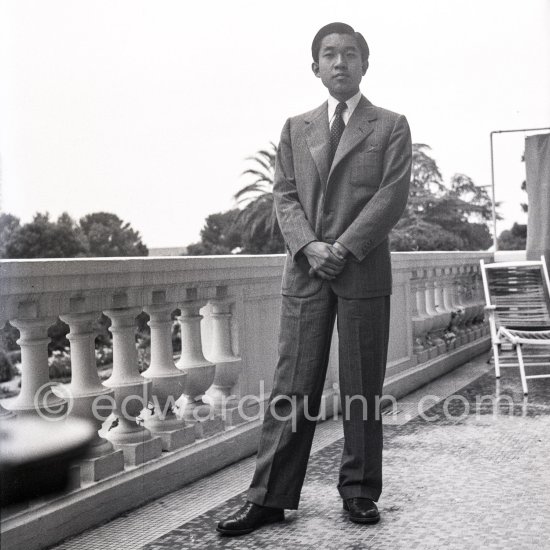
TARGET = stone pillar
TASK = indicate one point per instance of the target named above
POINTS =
(449, 297)
(470, 309)
(132, 392)
(445, 314)
(449, 300)
(460, 321)
(89, 398)
(478, 302)
(417, 325)
(37, 396)
(200, 373)
(228, 365)
(168, 382)
(486, 330)
(537, 166)
(440, 283)
(437, 318)
(421, 321)
(443, 304)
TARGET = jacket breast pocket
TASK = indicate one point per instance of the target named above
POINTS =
(366, 169)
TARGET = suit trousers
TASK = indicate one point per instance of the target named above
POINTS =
(289, 423)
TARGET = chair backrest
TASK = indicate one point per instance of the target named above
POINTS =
(518, 293)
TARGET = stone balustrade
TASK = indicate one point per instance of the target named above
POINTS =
(186, 416)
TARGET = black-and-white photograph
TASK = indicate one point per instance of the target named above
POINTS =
(274, 275)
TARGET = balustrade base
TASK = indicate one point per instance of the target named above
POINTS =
(138, 453)
(208, 426)
(422, 356)
(330, 404)
(467, 337)
(176, 438)
(101, 467)
(233, 416)
(14, 509)
(423, 372)
(74, 477)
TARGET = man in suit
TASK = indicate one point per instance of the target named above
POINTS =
(341, 183)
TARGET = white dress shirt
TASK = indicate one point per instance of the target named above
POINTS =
(351, 103)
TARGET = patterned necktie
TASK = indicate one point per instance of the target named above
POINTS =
(337, 129)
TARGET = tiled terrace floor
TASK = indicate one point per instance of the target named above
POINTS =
(460, 475)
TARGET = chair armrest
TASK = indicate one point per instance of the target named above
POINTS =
(490, 308)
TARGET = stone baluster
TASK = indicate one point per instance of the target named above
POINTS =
(445, 313)
(479, 300)
(132, 392)
(5, 414)
(485, 317)
(460, 323)
(168, 382)
(448, 297)
(228, 364)
(89, 398)
(439, 289)
(422, 322)
(200, 373)
(37, 396)
(449, 288)
(467, 303)
(437, 318)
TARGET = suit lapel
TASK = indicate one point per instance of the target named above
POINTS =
(357, 129)
(318, 140)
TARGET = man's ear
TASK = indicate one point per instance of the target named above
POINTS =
(315, 69)
(365, 67)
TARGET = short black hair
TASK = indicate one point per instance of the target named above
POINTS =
(339, 28)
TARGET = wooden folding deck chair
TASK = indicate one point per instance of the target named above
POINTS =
(518, 304)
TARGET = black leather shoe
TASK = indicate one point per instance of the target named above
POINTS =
(249, 517)
(362, 510)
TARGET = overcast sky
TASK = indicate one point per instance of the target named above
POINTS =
(148, 108)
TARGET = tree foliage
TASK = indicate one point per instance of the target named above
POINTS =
(218, 236)
(43, 238)
(96, 235)
(441, 217)
(8, 225)
(257, 221)
(437, 217)
(109, 236)
(514, 238)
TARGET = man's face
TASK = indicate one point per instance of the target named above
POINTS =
(340, 66)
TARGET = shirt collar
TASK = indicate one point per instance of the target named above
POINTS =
(352, 102)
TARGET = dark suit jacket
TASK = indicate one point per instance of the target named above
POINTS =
(356, 201)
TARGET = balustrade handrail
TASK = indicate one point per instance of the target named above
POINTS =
(186, 265)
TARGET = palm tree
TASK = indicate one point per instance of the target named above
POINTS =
(257, 221)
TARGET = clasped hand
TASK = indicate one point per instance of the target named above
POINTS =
(327, 261)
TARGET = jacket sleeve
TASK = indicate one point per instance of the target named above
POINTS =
(295, 227)
(374, 222)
